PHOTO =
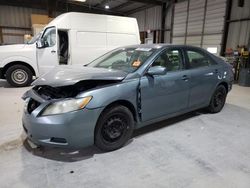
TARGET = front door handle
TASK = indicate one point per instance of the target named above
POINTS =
(216, 71)
(53, 51)
(185, 78)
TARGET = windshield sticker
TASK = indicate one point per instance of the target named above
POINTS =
(143, 49)
(136, 63)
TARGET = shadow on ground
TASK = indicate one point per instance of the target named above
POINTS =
(61, 154)
(5, 84)
(166, 123)
(71, 155)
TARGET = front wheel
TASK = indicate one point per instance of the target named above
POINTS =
(114, 128)
(218, 99)
(19, 76)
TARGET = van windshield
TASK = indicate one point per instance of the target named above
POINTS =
(125, 59)
(35, 38)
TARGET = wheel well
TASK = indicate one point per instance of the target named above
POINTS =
(225, 85)
(5, 68)
(125, 103)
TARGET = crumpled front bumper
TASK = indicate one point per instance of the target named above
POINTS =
(71, 130)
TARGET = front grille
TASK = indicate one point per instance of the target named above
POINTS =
(32, 105)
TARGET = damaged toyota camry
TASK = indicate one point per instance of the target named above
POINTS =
(103, 102)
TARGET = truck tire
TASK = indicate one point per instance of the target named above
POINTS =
(19, 76)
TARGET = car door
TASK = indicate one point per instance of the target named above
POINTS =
(47, 56)
(203, 77)
(165, 94)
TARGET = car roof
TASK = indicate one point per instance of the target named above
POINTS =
(160, 45)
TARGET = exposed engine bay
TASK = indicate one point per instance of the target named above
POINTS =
(48, 92)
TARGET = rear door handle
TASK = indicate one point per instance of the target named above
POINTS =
(53, 51)
(185, 78)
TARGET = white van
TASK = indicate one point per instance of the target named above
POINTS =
(71, 38)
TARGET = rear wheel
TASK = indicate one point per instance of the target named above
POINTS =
(114, 128)
(218, 99)
(19, 76)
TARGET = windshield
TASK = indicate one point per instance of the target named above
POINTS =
(125, 59)
(35, 38)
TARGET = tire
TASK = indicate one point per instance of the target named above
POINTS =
(218, 99)
(114, 128)
(19, 76)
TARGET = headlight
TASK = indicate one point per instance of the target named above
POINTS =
(66, 106)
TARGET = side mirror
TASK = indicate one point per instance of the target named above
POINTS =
(40, 43)
(157, 70)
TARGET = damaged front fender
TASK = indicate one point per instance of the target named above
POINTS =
(104, 96)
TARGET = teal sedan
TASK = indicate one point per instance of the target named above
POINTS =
(102, 103)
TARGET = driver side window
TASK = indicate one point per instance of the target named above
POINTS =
(49, 37)
(171, 59)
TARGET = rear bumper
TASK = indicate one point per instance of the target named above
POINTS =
(68, 130)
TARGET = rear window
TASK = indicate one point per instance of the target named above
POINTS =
(198, 59)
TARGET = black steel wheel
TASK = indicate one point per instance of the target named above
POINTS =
(114, 128)
(218, 99)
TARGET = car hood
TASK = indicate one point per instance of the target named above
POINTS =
(64, 75)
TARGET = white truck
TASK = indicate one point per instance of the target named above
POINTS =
(71, 38)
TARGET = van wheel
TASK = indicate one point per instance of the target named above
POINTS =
(19, 76)
(218, 99)
(114, 128)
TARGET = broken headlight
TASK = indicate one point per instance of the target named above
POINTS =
(66, 106)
